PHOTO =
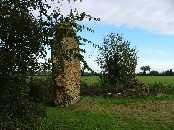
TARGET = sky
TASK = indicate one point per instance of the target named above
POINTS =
(147, 24)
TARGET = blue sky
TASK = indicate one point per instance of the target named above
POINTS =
(147, 24)
(154, 49)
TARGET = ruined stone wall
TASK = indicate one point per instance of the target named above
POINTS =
(66, 71)
(135, 88)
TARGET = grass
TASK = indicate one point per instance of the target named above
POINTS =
(152, 79)
(92, 113)
(146, 79)
(90, 79)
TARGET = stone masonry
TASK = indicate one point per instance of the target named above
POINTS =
(66, 71)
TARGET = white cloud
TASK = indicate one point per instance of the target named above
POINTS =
(152, 15)
(160, 66)
(159, 60)
(91, 56)
(93, 64)
(154, 64)
(155, 52)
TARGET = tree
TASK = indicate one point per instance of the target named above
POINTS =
(168, 72)
(23, 40)
(144, 69)
(117, 59)
(23, 37)
(154, 73)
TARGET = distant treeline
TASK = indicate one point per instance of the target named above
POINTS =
(156, 73)
(151, 73)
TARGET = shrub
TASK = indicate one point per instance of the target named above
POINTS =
(41, 89)
(159, 87)
(117, 60)
(21, 115)
(15, 109)
(98, 89)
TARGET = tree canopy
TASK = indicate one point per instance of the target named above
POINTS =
(144, 69)
(117, 59)
(23, 40)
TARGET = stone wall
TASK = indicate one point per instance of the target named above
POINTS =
(135, 88)
(66, 71)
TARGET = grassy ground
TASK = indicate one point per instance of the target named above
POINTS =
(146, 79)
(152, 79)
(90, 79)
(92, 113)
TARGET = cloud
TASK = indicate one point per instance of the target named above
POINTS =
(160, 66)
(159, 60)
(155, 52)
(151, 15)
(157, 65)
(93, 64)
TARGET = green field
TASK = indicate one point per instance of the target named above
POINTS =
(105, 113)
(92, 113)
(146, 79)
(152, 79)
(90, 79)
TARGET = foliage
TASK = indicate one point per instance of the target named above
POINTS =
(154, 73)
(41, 89)
(23, 40)
(144, 69)
(94, 89)
(16, 110)
(100, 89)
(91, 86)
(168, 73)
(157, 88)
(117, 60)
(23, 37)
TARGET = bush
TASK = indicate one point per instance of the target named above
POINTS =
(159, 87)
(15, 109)
(41, 89)
(98, 89)
(21, 115)
(117, 59)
